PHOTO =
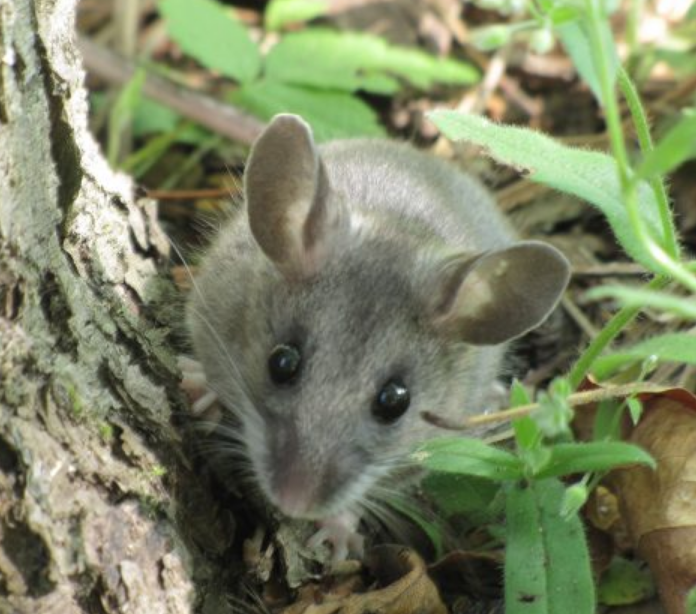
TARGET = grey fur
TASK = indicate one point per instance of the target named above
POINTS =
(368, 258)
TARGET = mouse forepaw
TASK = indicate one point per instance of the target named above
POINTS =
(195, 384)
(341, 532)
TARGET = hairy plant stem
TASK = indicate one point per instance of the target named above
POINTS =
(640, 121)
(665, 261)
(662, 261)
(611, 330)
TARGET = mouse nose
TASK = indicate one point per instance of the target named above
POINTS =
(294, 490)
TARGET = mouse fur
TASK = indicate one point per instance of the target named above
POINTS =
(376, 261)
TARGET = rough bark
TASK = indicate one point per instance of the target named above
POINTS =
(92, 486)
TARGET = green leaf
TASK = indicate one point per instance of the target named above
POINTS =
(569, 458)
(121, 114)
(589, 175)
(431, 529)
(635, 409)
(573, 35)
(547, 566)
(492, 37)
(468, 456)
(640, 297)
(352, 61)
(150, 117)
(460, 494)
(282, 12)
(625, 583)
(677, 146)
(607, 420)
(213, 36)
(332, 115)
(519, 394)
(574, 498)
(554, 414)
(671, 347)
(691, 601)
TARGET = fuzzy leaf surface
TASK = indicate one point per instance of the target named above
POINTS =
(589, 175)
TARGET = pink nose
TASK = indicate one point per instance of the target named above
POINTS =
(294, 492)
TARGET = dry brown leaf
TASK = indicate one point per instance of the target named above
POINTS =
(404, 588)
(659, 506)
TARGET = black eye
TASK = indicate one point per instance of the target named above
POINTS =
(284, 363)
(391, 402)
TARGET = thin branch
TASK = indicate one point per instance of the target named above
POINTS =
(221, 119)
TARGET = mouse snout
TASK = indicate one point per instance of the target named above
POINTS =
(304, 489)
(294, 490)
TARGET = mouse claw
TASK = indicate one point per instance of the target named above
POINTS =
(341, 533)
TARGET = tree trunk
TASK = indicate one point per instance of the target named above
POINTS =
(92, 487)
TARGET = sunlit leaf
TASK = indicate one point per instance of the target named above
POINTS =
(350, 61)
(282, 12)
(670, 347)
(589, 175)
(332, 114)
(209, 33)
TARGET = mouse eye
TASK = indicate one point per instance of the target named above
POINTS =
(284, 363)
(391, 402)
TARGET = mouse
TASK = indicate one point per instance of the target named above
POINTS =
(360, 283)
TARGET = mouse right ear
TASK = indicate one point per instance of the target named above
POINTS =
(287, 192)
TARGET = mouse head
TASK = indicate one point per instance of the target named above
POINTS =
(368, 325)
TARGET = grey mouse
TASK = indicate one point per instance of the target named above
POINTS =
(362, 283)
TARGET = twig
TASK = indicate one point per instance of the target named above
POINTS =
(222, 119)
(574, 400)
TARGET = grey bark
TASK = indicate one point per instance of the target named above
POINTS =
(93, 489)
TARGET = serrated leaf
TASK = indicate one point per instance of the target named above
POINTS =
(589, 175)
(671, 347)
(352, 61)
(213, 36)
(282, 12)
(468, 456)
(677, 146)
(569, 458)
(547, 566)
(332, 114)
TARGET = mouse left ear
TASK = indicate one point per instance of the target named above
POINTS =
(287, 195)
(498, 295)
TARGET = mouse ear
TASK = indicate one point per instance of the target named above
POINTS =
(499, 295)
(287, 194)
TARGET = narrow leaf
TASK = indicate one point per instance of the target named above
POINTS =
(282, 12)
(589, 175)
(571, 458)
(568, 569)
(547, 566)
(635, 297)
(332, 114)
(677, 146)
(210, 34)
(460, 494)
(351, 61)
(525, 561)
(671, 347)
(468, 456)
(575, 39)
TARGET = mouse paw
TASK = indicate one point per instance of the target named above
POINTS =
(341, 533)
(195, 384)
